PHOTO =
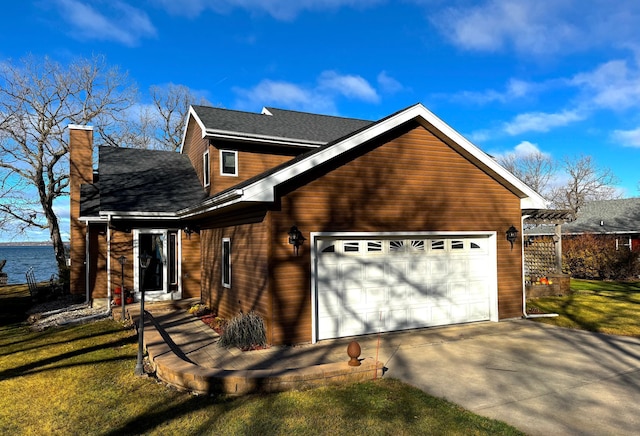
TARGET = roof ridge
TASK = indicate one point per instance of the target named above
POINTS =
(270, 108)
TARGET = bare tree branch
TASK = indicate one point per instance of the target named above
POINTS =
(586, 183)
(38, 99)
(534, 169)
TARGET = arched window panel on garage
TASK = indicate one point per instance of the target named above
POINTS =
(397, 245)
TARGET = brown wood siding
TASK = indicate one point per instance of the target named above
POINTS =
(250, 164)
(80, 172)
(195, 146)
(121, 245)
(191, 266)
(249, 272)
(415, 182)
(98, 261)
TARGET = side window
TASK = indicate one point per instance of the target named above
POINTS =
(226, 262)
(205, 169)
(228, 163)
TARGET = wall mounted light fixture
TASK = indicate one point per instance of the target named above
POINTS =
(512, 235)
(188, 230)
(295, 238)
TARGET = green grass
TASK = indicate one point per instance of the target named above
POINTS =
(79, 380)
(599, 306)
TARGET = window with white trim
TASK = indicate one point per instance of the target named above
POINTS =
(205, 169)
(226, 262)
(228, 162)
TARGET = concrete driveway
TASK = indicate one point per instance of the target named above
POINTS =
(543, 380)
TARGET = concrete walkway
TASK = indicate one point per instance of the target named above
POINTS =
(541, 379)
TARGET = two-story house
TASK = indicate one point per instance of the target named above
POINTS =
(325, 226)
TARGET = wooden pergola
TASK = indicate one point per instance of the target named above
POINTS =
(550, 217)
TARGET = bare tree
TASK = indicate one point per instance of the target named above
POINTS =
(536, 169)
(171, 104)
(38, 99)
(586, 182)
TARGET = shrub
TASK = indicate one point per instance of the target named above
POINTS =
(245, 331)
(199, 310)
(592, 256)
(217, 323)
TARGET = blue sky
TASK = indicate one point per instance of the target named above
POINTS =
(562, 76)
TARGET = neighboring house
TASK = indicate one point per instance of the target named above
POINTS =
(402, 222)
(618, 218)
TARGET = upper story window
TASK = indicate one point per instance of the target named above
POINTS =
(228, 163)
(205, 169)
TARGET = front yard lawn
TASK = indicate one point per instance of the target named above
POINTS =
(599, 306)
(79, 380)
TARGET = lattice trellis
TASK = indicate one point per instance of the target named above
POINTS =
(539, 258)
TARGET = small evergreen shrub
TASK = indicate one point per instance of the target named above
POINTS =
(245, 331)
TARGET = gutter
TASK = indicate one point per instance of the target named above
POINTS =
(211, 204)
(526, 315)
(267, 139)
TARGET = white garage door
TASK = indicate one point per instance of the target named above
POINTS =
(371, 285)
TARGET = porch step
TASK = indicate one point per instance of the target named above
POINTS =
(133, 310)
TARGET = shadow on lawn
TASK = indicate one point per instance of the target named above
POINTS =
(14, 303)
(37, 366)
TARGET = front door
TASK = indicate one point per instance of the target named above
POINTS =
(160, 279)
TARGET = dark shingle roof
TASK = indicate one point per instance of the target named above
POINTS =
(280, 124)
(617, 216)
(90, 200)
(133, 180)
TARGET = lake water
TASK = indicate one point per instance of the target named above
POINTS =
(20, 258)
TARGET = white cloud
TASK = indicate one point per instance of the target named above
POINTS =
(279, 9)
(319, 97)
(388, 84)
(541, 121)
(289, 95)
(628, 138)
(109, 21)
(515, 89)
(613, 85)
(353, 87)
(522, 149)
(539, 27)
(526, 148)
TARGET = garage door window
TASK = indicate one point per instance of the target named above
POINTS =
(417, 245)
(374, 246)
(457, 245)
(351, 246)
(437, 245)
(396, 246)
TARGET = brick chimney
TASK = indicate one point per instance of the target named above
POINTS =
(80, 172)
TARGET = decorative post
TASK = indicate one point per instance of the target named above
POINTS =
(557, 239)
(145, 259)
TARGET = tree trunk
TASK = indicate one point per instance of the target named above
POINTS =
(58, 244)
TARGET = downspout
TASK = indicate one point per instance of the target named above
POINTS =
(108, 311)
(526, 315)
